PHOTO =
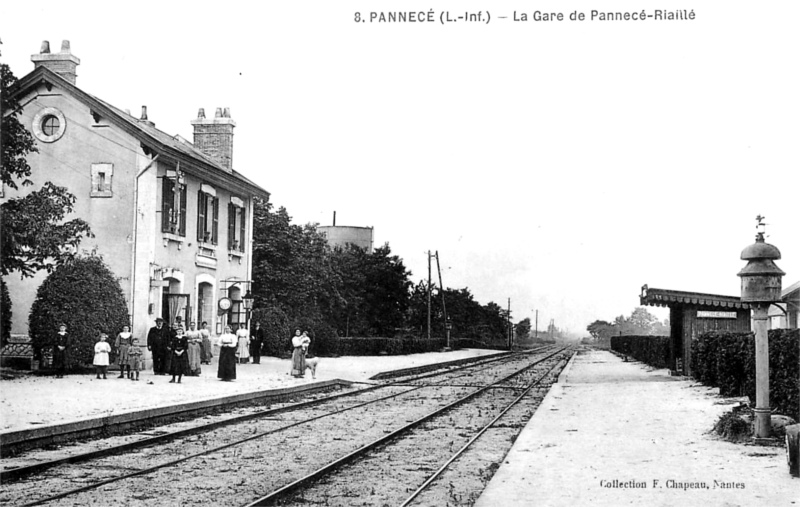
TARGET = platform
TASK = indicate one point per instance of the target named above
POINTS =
(614, 433)
(35, 402)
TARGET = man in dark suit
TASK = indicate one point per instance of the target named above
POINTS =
(157, 343)
(256, 341)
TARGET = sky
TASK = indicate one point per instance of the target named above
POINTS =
(559, 164)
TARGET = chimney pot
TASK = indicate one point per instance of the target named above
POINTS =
(218, 113)
(226, 113)
(201, 114)
(64, 63)
(144, 113)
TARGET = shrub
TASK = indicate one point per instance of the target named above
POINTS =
(704, 358)
(653, 350)
(784, 371)
(5, 313)
(276, 328)
(732, 353)
(727, 361)
(85, 295)
(733, 427)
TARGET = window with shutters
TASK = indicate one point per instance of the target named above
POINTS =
(236, 225)
(207, 215)
(173, 205)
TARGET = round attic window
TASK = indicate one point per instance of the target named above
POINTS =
(49, 125)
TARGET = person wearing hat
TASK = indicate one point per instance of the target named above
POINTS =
(157, 343)
(60, 344)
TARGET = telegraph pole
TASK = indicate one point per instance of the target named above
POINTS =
(536, 335)
(429, 294)
(509, 323)
(444, 308)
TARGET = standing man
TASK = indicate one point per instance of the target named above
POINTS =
(157, 343)
(256, 342)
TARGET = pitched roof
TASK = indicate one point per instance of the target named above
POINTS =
(173, 147)
(790, 290)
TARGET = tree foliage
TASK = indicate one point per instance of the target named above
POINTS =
(33, 230)
(300, 282)
(639, 323)
(83, 294)
(522, 329)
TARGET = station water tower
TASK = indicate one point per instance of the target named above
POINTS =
(342, 235)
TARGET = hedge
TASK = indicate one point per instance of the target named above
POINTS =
(653, 350)
(371, 346)
(727, 361)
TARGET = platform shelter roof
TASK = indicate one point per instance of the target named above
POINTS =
(675, 298)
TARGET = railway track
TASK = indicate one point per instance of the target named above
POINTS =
(222, 462)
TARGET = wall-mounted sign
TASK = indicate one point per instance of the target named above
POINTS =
(715, 315)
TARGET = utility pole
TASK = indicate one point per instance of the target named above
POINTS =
(509, 323)
(444, 308)
(429, 294)
(537, 325)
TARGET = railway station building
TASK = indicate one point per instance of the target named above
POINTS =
(171, 218)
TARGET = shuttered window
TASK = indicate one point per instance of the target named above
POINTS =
(173, 207)
(167, 205)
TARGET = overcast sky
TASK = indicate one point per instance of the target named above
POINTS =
(559, 164)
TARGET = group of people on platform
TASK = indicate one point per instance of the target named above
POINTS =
(178, 352)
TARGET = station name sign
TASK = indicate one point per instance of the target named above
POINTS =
(715, 315)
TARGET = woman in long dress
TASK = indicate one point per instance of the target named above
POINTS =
(122, 344)
(194, 350)
(179, 359)
(300, 342)
(243, 337)
(227, 355)
(205, 335)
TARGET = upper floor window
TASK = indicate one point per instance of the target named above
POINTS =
(236, 224)
(49, 124)
(101, 180)
(173, 203)
(207, 214)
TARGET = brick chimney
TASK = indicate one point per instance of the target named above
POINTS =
(63, 63)
(214, 136)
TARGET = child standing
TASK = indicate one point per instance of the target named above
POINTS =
(123, 344)
(101, 351)
(134, 358)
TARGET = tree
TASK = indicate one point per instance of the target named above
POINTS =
(642, 321)
(523, 328)
(85, 295)
(600, 330)
(32, 230)
(289, 262)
